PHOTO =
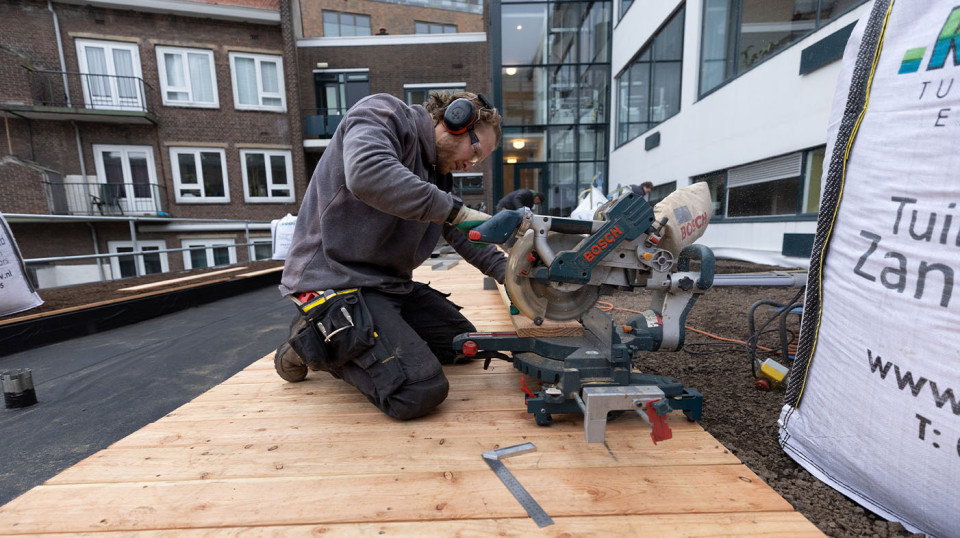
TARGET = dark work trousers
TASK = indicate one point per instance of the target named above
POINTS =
(402, 374)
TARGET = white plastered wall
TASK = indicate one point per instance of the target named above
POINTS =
(768, 111)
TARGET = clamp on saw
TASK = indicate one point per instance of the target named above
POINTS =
(557, 269)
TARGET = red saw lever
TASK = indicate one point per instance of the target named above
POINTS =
(661, 430)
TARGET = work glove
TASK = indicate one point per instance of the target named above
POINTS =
(467, 219)
(500, 228)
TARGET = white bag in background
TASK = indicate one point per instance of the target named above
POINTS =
(16, 291)
(590, 201)
(281, 233)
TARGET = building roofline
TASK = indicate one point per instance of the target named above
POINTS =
(188, 8)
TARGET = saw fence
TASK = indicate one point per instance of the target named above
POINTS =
(257, 455)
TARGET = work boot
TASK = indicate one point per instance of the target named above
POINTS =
(289, 365)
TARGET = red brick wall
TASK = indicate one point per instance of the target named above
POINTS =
(20, 25)
(397, 19)
(21, 190)
(395, 65)
(53, 143)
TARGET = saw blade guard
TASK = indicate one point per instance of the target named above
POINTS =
(537, 300)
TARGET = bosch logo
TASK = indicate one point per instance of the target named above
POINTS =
(602, 244)
(690, 228)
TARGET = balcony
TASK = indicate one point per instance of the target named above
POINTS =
(106, 199)
(320, 122)
(65, 96)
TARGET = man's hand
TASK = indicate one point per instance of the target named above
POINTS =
(467, 218)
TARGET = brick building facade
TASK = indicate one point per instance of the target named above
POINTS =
(138, 114)
(202, 110)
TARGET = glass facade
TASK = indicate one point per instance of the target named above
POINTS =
(648, 89)
(554, 76)
(738, 34)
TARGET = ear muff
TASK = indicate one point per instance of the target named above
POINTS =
(459, 116)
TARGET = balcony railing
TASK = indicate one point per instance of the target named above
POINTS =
(108, 199)
(321, 122)
(88, 91)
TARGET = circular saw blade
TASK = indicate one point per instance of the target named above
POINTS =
(556, 300)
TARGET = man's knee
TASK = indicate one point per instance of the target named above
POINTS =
(415, 400)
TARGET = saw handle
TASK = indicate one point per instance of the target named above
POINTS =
(707, 263)
(499, 228)
(571, 226)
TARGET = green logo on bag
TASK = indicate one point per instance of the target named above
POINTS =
(946, 42)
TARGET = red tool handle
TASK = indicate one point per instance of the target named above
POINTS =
(661, 430)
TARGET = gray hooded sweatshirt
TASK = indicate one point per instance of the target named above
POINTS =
(375, 206)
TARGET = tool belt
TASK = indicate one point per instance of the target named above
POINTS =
(338, 328)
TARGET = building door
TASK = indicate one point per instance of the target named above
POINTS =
(110, 73)
(335, 92)
(127, 178)
(531, 176)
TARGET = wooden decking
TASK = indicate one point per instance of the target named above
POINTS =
(259, 456)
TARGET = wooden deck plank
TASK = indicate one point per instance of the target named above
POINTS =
(754, 524)
(404, 496)
(366, 456)
(514, 427)
(277, 269)
(172, 281)
(259, 456)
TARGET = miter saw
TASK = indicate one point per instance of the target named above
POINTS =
(557, 269)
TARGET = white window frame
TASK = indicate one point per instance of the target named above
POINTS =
(268, 199)
(131, 202)
(209, 244)
(188, 89)
(258, 60)
(86, 75)
(260, 241)
(178, 185)
(160, 244)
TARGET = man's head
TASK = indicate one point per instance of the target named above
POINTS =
(467, 129)
(647, 187)
(538, 197)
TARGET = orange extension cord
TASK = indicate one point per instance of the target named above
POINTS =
(606, 307)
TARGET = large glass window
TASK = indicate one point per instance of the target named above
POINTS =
(257, 82)
(262, 248)
(208, 253)
(149, 262)
(187, 77)
(422, 27)
(738, 34)
(782, 186)
(199, 175)
(127, 177)
(648, 89)
(717, 182)
(267, 176)
(555, 81)
(595, 33)
(337, 24)
(337, 91)
(661, 191)
(418, 94)
(110, 75)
